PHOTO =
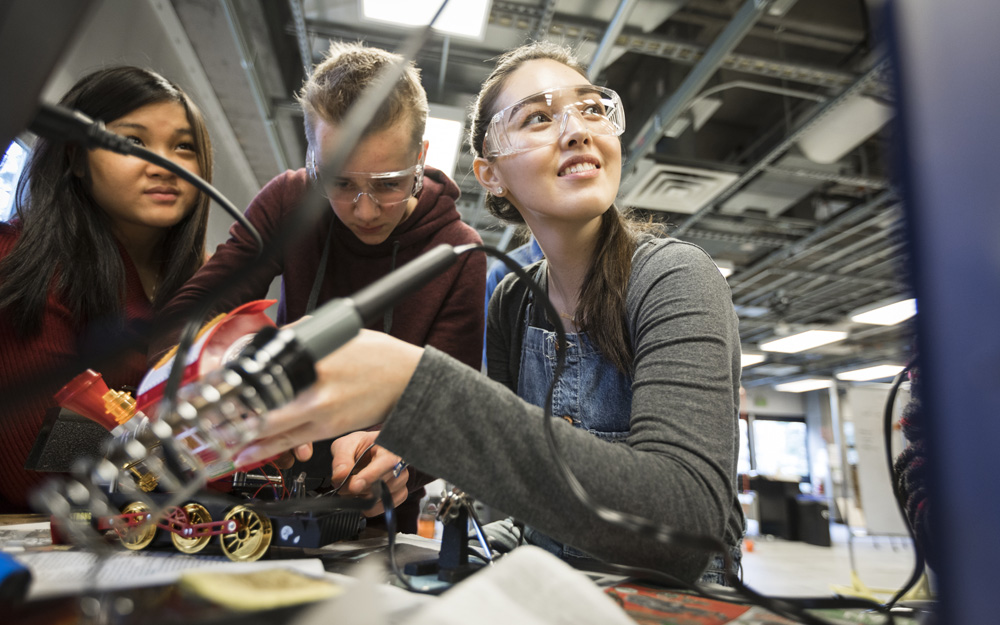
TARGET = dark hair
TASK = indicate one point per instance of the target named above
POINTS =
(601, 308)
(339, 80)
(65, 238)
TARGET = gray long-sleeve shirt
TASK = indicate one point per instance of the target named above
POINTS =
(678, 466)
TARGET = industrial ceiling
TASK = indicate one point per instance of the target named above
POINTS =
(755, 129)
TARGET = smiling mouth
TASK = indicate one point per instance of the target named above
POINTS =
(577, 168)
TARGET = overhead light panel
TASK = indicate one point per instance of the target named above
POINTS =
(843, 129)
(749, 360)
(877, 372)
(725, 267)
(803, 341)
(887, 315)
(464, 19)
(444, 138)
(778, 8)
(801, 386)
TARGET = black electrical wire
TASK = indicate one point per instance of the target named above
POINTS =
(919, 563)
(385, 497)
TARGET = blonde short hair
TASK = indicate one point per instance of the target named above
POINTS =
(348, 69)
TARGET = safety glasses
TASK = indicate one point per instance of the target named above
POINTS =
(540, 119)
(385, 189)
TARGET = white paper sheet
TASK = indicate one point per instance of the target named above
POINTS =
(529, 586)
(71, 572)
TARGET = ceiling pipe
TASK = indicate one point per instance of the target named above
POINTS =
(883, 282)
(756, 86)
(608, 40)
(302, 35)
(848, 216)
(509, 14)
(821, 113)
(669, 111)
(545, 21)
(255, 89)
(732, 237)
(445, 47)
(862, 182)
(869, 221)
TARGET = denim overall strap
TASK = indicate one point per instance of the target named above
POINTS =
(591, 394)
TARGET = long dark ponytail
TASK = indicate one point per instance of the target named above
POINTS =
(65, 239)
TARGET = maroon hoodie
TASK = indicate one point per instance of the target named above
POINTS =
(443, 313)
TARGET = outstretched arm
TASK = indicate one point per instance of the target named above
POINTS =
(356, 387)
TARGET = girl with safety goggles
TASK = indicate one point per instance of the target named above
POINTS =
(651, 379)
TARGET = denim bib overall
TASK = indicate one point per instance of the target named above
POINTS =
(591, 393)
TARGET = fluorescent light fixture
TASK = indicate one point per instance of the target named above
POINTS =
(464, 18)
(778, 8)
(749, 360)
(801, 386)
(870, 373)
(888, 315)
(803, 341)
(444, 137)
(844, 129)
(725, 267)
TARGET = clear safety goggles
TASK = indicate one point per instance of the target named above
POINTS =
(386, 189)
(540, 119)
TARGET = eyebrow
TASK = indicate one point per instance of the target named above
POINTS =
(580, 90)
(132, 125)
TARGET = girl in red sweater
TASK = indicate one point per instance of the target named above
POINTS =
(98, 242)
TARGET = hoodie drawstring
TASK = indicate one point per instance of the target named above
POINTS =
(387, 318)
(320, 273)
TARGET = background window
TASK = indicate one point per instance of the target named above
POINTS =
(743, 463)
(780, 448)
(10, 170)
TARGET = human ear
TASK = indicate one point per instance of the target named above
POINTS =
(487, 175)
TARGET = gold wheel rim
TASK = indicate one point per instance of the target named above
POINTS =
(196, 513)
(253, 538)
(138, 537)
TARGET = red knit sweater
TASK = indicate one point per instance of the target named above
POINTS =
(27, 358)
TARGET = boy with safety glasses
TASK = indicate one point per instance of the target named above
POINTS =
(387, 208)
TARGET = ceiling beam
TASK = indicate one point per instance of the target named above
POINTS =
(302, 35)
(849, 216)
(260, 100)
(652, 130)
(820, 113)
(610, 35)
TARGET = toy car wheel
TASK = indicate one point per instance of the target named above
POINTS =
(196, 513)
(251, 540)
(139, 536)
